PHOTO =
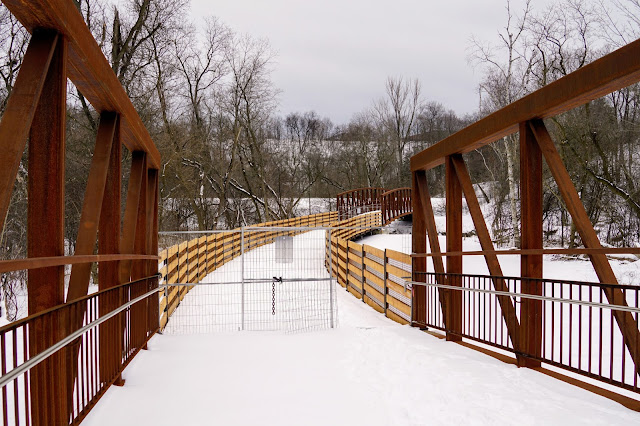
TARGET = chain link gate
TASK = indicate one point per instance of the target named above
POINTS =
(254, 279)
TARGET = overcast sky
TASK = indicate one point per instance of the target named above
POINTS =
(333, 56)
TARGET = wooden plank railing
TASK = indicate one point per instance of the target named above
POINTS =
(377, 277)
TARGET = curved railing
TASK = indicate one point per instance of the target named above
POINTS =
(377, 277)
(357, 201)
(190, 261)
(395, 204)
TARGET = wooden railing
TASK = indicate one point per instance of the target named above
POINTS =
(377, 277)
(395, 204)
(62, 48)
(189, 262)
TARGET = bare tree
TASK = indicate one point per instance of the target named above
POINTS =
(507, 67)
(397, 112)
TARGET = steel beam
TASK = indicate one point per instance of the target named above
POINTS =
(45, 237)
(614, 71)
(530, 238)
(88, 68)
(453, 307)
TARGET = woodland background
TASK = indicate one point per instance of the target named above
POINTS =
(206, 96)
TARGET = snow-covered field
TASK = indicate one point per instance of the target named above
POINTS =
(398, 237)
(369, 370)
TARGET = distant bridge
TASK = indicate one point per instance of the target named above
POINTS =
(58, 362)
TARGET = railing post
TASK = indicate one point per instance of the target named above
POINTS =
(453, 306)
(331, 289)
(384, 281)
(242, 278)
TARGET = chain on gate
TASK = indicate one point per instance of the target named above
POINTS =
(273, 293)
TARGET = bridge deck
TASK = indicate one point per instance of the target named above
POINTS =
(369, 370)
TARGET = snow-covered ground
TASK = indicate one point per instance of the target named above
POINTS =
(369, 370)
(397, 236)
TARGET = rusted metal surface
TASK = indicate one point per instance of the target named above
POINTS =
(92, 378)
(530, 238)
(108, 277)
(627, 323)
(493, 265)
(395, 204)
(45, 237)
(88, 68)
(357, 201)
(63, 387)
(21, 107)
(577, 326)
(453, 307)
(92, 205)
(614, 71)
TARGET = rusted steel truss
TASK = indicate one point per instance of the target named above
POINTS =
(62, 48)
(612, 72)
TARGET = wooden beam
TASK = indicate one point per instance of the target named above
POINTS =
(627, 323)
(506, 304)
(88, 68)
(614, 71)
(530, 238)
(453, 307)
(92, 205)
(45, 237)
(21, 106)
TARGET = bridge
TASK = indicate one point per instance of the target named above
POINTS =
(60, 360)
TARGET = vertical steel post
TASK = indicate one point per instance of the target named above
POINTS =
(530, 238)
(242, 277)
(454, 244)
(331, 291)
(419, 246)
(45, 237)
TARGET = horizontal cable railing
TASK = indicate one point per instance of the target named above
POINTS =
(579, 331)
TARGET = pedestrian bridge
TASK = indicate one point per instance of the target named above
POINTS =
(58, 362)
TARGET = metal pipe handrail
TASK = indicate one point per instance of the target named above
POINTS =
(531, 296)
(37, 359)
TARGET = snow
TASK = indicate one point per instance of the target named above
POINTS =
(370, 370)
(394, 237)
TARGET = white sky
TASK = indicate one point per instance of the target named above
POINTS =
(334, 56)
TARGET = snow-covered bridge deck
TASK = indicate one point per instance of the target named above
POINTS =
(369, 370)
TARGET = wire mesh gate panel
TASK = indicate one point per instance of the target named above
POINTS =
(255, 279)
